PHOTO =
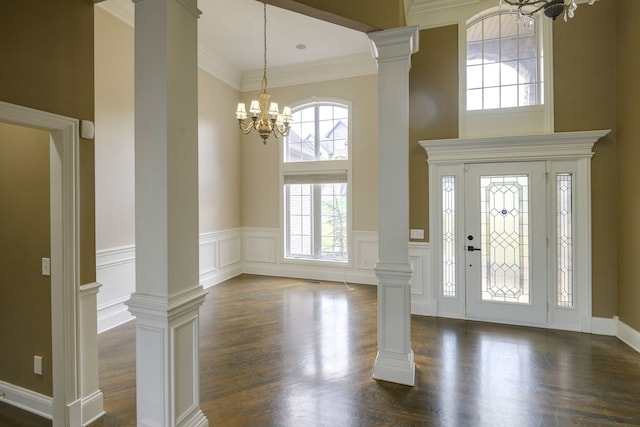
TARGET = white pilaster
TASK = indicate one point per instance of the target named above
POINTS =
(392, 50)
(168, 295)
(90, 393)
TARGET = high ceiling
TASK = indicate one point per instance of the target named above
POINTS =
(232, 31)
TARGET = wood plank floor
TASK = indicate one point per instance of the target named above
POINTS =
(287, 352)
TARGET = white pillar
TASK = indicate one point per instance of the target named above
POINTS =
(168, 295)
(392, 50)
(90, 393)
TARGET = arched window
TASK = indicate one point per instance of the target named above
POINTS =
(506, 61)
(503, 62)
(316, 173)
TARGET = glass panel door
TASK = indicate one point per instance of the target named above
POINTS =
(505, 220)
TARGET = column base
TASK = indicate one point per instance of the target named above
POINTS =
(197, 419)
(390, 367)
(167, 370)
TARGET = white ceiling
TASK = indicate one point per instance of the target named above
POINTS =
(233, 30)
(230, 34)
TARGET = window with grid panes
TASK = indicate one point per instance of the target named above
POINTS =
(503, 62)
(316, 168)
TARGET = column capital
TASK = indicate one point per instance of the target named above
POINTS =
(152, 306)
(394, 44)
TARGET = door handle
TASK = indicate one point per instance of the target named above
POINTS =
(471, 249)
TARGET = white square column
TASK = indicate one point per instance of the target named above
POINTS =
(168, 295)
(392, 50)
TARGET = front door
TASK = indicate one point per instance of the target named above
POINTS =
(505, 240)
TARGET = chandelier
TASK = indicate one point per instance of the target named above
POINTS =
(550, 8)
(265, 121)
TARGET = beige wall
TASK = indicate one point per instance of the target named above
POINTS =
(585, 91)
(260, 163)
(628, 141)
(25, 329)
(114, 92)
(47, 51)
(219, 148)
(218, 155)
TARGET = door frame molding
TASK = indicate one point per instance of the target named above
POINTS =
(65, 253)
(573, 150)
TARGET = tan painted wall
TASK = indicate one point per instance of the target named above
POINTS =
(628, 140)
(47, 64)
(218, 155)
(433, 111)
(25, 305)
(260, 163)
(360, 15)
(585, 91)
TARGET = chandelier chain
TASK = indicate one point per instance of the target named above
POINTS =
(264, 73)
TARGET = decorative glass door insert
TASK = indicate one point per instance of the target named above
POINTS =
(504, 232)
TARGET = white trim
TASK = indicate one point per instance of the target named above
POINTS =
(27, 400)
(603, 326)
(627, 334)
(220, 259)
(220, 256)
(65, 256)
(564, 152)
(546, 146)
(115, 269)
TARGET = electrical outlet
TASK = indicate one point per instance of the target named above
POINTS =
(46, 267)
(37, 365)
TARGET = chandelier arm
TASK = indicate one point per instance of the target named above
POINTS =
(533, 3)
(246, 129)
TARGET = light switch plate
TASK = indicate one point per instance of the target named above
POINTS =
(416, 233)
(37, 365)
(46, 267)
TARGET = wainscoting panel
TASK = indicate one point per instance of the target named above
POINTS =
(422, 300)
(220, 259)
(116, 272)
(260, 245)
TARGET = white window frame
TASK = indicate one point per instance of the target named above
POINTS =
(319, 167)
(531, 119)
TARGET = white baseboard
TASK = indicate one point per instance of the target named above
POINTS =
(27, 400)
(627, 334)
(113, 314)
(92, 408)
(603, 326)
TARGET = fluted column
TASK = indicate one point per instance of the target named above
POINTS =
(392, 50)
(168, 295)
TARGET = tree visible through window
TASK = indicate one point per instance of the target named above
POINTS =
(503, 62)
(315, 174)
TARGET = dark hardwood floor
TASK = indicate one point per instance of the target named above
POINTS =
(287, 352)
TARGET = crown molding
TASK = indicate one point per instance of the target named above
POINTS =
(219, 67)
(361, 64)
(124, 10)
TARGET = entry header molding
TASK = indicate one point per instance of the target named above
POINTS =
(550, 146)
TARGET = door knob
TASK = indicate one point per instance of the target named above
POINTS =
(471, 249)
